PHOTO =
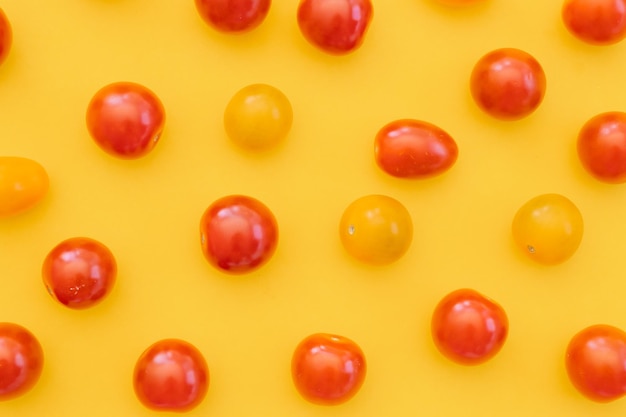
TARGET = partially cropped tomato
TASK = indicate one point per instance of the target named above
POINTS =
(508, 83)
(597, 22)
(171, 375)
(414, 149)
(469, 328)
(6, 36)
(233, 15)
(335, 26)
(238, 234)
(21, 360)
(23, 184)
(595, 360)
(125, 119)
(79, 272)
(602, 147)
(328, 369)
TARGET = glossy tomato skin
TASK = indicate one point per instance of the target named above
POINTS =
(125, 119)
(414, 149)
(23, 184)
(469, 328)
(21, 360)
(171, 375)
(595, 361)
(508, 84)
(233, 16)
(596, 22)
(328, 369)
(238, 234)
(6, 36)
(79, 272)
(601, 147)
(337, 27)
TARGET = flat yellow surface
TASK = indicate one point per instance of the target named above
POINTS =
(415, 63)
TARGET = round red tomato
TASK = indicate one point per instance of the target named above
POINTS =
(414, 149)
(238, 234)
(469, 328)
(6, 36)
(328, 369)
(125, 119)
(171, 375)
(21, 360)
(602, 147)
(597, 22)
(335, 26)
(79, 272)
(595, 360)
(233, 15)
(508, 84)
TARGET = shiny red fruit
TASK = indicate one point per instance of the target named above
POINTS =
(597, 22)
(602, 147)
(233, 15)
(21, 360)
(6, 36)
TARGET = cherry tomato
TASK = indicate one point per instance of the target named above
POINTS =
(125, 119)
(595, 361)
(469, 328)
(6, 36)
(508, 84)
(258, 117)
(335, 26)
(597, 22)
(238, 234)
(233, 15)
(21, 360)
(602, 147)
(414, 149)
(23, 184)
(376, 229)
(328, 369)
(548, 228)
(171, 375)
(79, 272)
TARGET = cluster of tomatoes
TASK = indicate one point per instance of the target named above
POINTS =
(239, 234)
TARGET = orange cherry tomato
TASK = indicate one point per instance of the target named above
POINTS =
(21, 360)
(6, 36)
(23, 184)
(597, 22)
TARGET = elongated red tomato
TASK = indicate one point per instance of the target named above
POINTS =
(597, 22)
(236, 16)
(21, 360)
(602, 147)
(6, 36)
(23, 184)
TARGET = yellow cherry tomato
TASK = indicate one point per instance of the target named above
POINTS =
(376, 229)
(23, 183)
(258, 117)
(548, 228)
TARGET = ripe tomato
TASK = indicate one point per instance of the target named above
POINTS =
(79, 272)
(376, 229)
(258, 117)
(548, 228)
(597, 22)
(125, 119)
(21, 360)
(171, 375)
(6, 36)
(508, 84)
(602, 147)
(335, 26)
(238, 234)
(414, 149)
(328, 369)
(23, 184)
(233, 15)
(595, 361)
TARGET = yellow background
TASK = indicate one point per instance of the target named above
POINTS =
(415, 63)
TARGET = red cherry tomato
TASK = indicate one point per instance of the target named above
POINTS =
(469, 328)
(508, 84)
(6, 36)
(79, 272)
(414, 149)
(335, 26)
(328, 369)
(238, 234)
(595, 360)
(233, 15)
(171, 375)
(597, 22)
(602, 147)
(21, 360)
(125, 119)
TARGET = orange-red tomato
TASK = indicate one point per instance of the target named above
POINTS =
(23, 184)
(602, 147)
(233, 15)
(597, 22)
(21, 360)
(6, 36)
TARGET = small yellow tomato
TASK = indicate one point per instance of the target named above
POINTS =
(23, 183)
(548, 229)
(376, 229)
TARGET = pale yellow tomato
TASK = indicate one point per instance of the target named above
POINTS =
(23, 183)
